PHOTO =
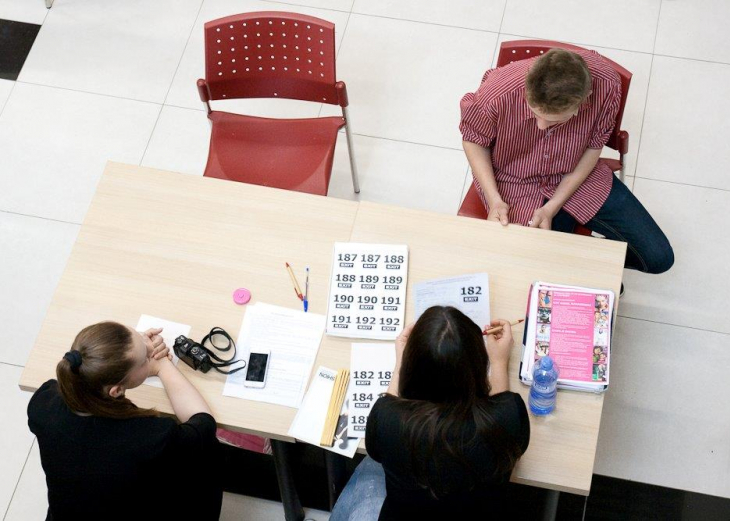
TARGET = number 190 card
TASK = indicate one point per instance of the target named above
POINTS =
(368, 290)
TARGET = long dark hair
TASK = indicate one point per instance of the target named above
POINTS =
(444, 385)
(105, 361)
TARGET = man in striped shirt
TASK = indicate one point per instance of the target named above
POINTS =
(533, 133)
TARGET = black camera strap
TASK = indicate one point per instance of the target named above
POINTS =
(217, 332)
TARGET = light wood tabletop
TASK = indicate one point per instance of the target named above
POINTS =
(176, 246)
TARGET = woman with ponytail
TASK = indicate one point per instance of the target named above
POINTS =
(443, 441)
(106, 458)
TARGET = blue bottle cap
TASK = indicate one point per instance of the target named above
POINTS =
(546, 363)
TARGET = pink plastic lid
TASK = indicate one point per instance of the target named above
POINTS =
(241, 296)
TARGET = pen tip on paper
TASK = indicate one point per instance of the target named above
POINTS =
(287, 264)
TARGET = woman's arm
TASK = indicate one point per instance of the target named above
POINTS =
(499, 348)
(480, 160)
(542, 218)
(185, 399)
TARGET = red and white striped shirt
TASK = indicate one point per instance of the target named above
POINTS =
(529, 163)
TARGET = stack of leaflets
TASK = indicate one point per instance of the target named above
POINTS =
(572, 325)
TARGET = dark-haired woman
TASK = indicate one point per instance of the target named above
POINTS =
(444, 440)
(106, 458)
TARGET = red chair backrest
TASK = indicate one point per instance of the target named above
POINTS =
(523, 49)
(271, 54)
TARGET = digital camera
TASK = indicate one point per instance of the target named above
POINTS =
(192, 353)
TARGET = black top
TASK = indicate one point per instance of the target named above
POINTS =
(406, 499)
(138, 468)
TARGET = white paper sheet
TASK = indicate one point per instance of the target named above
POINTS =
(367, 297)
(309, 421)
(371, 369)
(170, 331)
(293, 337)
(467, 293)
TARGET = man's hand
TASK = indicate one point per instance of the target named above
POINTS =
(499, 212)
(541, 218)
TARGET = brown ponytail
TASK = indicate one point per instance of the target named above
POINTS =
(105, 361)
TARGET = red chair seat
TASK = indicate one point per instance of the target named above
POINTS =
(292, 154)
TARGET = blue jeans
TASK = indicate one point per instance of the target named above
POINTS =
(363, 496)
(623, 218)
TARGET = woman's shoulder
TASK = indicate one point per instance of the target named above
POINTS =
(44, 397)
(512, 414)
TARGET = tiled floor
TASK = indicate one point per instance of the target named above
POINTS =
(116, 81)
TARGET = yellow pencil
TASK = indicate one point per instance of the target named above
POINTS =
(497, 329)
(297, 289)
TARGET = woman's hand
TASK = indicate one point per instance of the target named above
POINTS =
(156, 347)
(499, 345)
(400, 342)
(499, 212)
(154, 365)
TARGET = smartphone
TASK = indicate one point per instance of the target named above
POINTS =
(258, 368)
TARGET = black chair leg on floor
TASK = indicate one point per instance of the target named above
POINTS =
(293, 510)
(551, 505)
(336, 475)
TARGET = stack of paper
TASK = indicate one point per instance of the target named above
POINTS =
(367, 296)
(467, 293)
(309, 421)
(293, 337)
(371, 369)
(573, 326)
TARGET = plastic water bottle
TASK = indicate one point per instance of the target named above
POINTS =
(544, 387)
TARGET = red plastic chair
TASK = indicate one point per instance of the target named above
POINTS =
(510, 52)
(273, 55)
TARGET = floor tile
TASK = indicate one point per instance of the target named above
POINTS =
(623, 24)
(245, 508)
(639, 64)
(30, 500)
(55, 143)
(686, 124)
(692, 293)
(15, 438)
(184, 92)
(6, 88)
(403, 174)
(665, 419)
(34, 256)
(337, 5)
(180, 141)
(16, 40)
(690, 29)
(128, 49)
(408, 84)
(484, 15)
(31, 12)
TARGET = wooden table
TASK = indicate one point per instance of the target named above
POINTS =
(177, 246)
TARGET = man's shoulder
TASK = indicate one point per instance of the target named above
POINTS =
(504, 82)
(601, 69)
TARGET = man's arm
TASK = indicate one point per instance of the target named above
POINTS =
(542, 218)
(480, 160)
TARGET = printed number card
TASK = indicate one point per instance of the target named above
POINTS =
(368, 290)
(371, 368)
(467, 293)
